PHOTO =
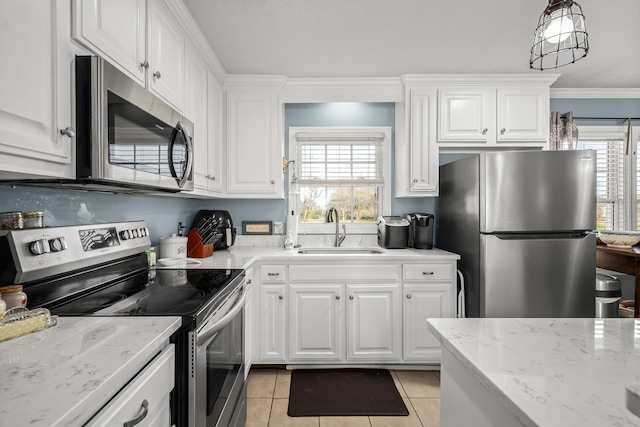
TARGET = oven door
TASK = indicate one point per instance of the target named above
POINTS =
(216, 389)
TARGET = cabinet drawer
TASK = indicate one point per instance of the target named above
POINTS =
(429, 272)
(317, 272)
(146, 397)
(273, 273)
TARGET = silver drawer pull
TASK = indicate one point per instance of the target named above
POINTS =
(139, 418)
(428, 273)
(273, 274)
(280, 297)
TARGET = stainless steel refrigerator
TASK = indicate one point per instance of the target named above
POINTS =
(522, 223)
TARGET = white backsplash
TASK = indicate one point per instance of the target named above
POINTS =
(307, 240)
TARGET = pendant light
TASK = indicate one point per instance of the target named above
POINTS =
(561, 37)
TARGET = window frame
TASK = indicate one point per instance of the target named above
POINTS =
(630, 164)
(384, 202)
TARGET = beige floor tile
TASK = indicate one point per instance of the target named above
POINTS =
(344, 422)
(437, 374)
(283, 385)
(419, 383)
(260, 385)
(427, 409)
(279, 417)
(396, 380)
(258, 412)
(411, 420)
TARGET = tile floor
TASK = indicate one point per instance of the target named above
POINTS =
(268, 400)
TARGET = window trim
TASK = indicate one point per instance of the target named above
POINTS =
(630, 164)
(345, 132)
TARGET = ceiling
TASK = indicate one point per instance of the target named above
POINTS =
(385, 38)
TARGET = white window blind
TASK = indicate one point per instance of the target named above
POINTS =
(612, 178)
(337, 160)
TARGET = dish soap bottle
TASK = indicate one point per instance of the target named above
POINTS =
(289, 242)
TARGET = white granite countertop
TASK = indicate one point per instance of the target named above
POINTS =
(244, 256)
(551, 372)
(63, 375)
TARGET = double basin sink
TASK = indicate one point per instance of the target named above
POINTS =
(341, 250)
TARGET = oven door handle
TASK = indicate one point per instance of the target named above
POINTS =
(206, 334)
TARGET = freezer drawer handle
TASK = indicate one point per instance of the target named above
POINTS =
(139, 418)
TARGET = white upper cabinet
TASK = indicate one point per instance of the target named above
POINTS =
(115, 29)
(153, 55)
(423, 178)
(254, 143)
(166, 55)
(215, 122)
(515, 116)
(35, 99)
(196, 110)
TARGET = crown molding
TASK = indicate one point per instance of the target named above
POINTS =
(253, 81)
(479, 79)
(595, 93)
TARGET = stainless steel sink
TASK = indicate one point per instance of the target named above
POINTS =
(339, 250)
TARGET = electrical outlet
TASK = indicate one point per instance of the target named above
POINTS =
(278, 228)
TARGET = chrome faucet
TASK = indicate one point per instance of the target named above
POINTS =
(339, 239)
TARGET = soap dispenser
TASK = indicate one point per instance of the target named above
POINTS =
(289, 242)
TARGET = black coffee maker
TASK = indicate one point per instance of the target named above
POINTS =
(225, 224)
(421, 230)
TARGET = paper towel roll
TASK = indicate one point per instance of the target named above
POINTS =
(292, 227)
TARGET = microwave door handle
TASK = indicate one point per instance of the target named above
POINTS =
(220, 324)
(187, 170)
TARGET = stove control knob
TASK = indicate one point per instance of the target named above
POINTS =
(143, 232)
(124, 235)
(39, 247)
(58, 244)
(134, 233)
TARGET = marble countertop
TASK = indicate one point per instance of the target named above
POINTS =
(552, 372)
(63, 375)
(245, 256)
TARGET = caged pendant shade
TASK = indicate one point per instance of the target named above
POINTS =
(560, 37)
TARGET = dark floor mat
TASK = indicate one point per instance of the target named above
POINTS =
(344, 392)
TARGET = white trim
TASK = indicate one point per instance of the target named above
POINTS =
(480, 79)
(387, 173)
(595, 93)
(375, 89)
(251, 81)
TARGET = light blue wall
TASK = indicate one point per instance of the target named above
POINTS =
(66, 207)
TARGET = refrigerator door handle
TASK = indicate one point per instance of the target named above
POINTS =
(540, 236)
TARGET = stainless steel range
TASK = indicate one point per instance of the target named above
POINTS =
(101, 270)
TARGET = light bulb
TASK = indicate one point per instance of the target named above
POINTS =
(560, 27)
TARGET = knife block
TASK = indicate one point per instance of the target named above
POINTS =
(195, 248)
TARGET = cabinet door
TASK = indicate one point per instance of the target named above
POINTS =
(424, 154)
(523, 114)
(196, 110)
(273, 326)
(35, 99)
(420, 303)
(116, 29)
(166, 55)
(215, 122)
(250, 333)
(317, 333)
(253, 150)
(466, 115)
(374, 323)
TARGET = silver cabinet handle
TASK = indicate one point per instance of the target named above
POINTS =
(502, 131)
(427, 273)
(272, 181)
(408, 296)
(139, 418)
(213, 178)
(280, 297)
(484, 131)
(273, 274)
(68, 131)
(415, 179)
(337, 296)
(248, 281)
(144, 64)
(157, 74)
(350, 296)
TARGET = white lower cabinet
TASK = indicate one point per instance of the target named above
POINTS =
(350, 313)
(145, 400)
(374, 325)
(273, 326)
(318, 332)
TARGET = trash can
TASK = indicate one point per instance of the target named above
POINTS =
(608, 294)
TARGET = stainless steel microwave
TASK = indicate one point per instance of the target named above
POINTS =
(126, 137)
